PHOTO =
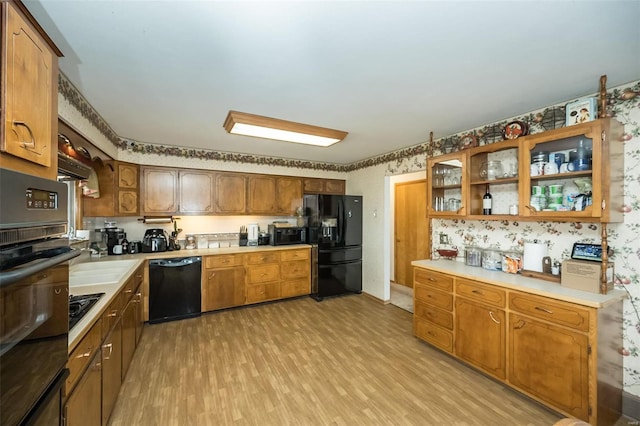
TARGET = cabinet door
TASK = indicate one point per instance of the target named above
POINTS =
(137, 298)
(84, 405)
(159, 191)
(127, 203)
(551, 363)
(105, 204)
(230, 193)
(196, 191)
(447, 185)
(288, 195)
(127, 176)
(111, 370)
(223, 288)
(313, 186)
(481, 336)
(262, 195)
(334, 186)
(128, 336)
(30, 92)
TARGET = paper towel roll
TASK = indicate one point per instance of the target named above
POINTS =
(157, 219)
(533, 254)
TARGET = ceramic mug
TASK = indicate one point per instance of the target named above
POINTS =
(117, 249)
(550, 168)
(564, 167)
(537, 169)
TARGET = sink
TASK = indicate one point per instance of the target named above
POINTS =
(119, 265)
(77, 279)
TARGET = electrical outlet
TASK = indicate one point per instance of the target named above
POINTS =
(444, 239)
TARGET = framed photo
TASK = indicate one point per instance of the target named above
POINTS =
(581, 111)
(468, 141)
(515, 129)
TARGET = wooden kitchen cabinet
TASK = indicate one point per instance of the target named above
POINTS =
(480, 326)
(447, 185)
(261, 194)
(118, 183)
(324, 186)
(263, 276)
(159, 191)
(223, 288)
(139, 319)
(288, 195)
(128, 335)
(295, 273)
(83, 407)
(196, 191)
(230, 193)
(29, 104)
(560, 353)
(111, 370)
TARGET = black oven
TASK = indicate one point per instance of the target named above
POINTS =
(34, 298)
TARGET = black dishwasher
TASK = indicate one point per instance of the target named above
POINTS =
(174, 288)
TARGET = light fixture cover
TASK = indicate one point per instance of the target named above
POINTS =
(241, 123)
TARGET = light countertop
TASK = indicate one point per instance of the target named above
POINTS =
(109, 274)
(519, 282)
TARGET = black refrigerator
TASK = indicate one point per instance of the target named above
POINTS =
(335, 231)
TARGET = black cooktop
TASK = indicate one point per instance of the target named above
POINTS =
(80, 305)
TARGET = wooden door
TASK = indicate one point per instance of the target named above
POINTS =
(84, 405)
(231, 193)
(159, 191)
(551, 363)
(481, 336)
(261, 195)
(196, 191)
(411, 229)
(224, 288)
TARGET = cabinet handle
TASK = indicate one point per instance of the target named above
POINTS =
(545, 310)
(493, 318)
(113, 314)
(26, 144)
(477, 292)
(128, 291)
(519, 325)
(57, 291)
(532, 209)
(84, 355)
(211, 275)
(431, 279)
(604, 205)
(97, 366)
(110, 347)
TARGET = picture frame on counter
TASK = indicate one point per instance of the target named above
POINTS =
(581, 111)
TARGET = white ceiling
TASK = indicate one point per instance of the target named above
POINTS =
(167, 72)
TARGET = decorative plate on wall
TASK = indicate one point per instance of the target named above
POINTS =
(515, 129)
(468, 141)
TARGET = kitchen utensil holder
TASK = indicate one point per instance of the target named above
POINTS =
(244, 238)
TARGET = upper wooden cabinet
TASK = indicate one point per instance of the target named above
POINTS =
(231, 193)
(262, 194)
(159, 191)
(324, 186)
(288, 195)
(593, 161)
(196, 191)
(119, 192)
(30, 95)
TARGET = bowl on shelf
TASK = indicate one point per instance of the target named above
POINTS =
(448, 253)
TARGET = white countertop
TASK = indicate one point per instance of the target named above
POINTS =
(518, 282)
(109, 274)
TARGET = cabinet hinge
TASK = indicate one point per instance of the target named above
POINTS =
(603, 205)
(603, 136)
(588, 349)
(590, 411)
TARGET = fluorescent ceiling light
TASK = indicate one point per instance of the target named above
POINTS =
(241, 123)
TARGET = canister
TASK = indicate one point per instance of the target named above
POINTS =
(472, 256)
(492, 259)
(511, 261)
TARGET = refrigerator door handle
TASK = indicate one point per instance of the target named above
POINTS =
(341, 220)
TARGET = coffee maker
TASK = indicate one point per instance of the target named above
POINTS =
(109, 237)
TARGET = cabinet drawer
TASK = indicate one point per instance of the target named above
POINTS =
(223, 260)
(263, 273)
(262, 292)
(295, 269)
(558, 312)
(296, 288)
(287, 255)
(111, 315)
(433, 297)
(433, 334)
(82, 354)
(481, 292)
(433, 314)
(433, 279)
(263, 257)
(127, 291)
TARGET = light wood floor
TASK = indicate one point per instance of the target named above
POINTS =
(344, 361)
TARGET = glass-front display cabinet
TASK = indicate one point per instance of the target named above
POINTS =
(447, 185)
(574, 173)
(494, 169)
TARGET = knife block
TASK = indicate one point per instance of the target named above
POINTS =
(244, 238)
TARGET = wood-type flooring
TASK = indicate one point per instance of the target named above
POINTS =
(343, 361)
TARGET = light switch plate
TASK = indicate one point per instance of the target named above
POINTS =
(444, 239)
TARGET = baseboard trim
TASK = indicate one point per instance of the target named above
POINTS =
(630, 405)
(375, 299)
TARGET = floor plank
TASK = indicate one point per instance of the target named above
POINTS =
(342, 361)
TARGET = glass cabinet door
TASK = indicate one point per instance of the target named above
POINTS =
(494, 168)
(565, 173)
(446, 185)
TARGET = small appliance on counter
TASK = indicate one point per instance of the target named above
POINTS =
(155, 240)
(110, 236)
(264, 238)
(281, 236)
(253, 233)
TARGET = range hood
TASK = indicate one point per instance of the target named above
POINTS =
(71, 169)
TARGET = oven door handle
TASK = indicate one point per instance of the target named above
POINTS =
(10, 277)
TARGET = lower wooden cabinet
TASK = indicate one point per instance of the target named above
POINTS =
(84, 408)
(223, 288)
(138, 299)
(128, 335)
(111, 370)
(538, 345)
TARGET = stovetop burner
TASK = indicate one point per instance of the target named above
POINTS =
(80, 305)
